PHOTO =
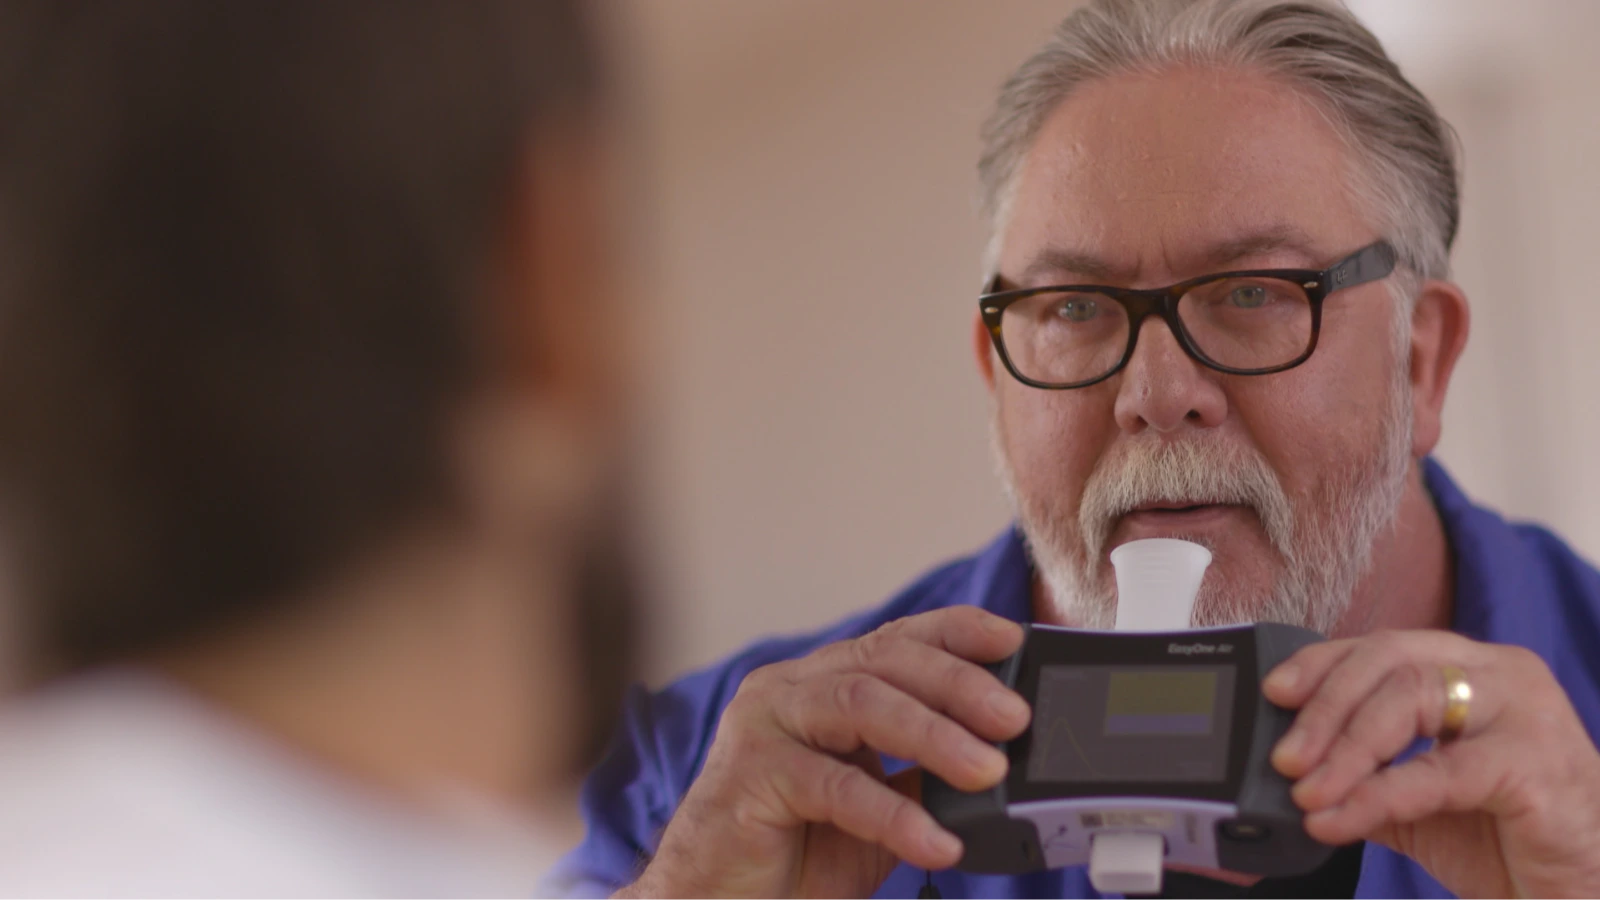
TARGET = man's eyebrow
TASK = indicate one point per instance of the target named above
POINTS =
(1061, 260)
(1215, 257)
(1275, 239)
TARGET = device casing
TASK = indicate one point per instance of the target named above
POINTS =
(1247, 823)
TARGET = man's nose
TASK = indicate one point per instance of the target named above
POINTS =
(1162, 388)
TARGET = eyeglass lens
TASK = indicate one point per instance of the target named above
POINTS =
(1059, 337)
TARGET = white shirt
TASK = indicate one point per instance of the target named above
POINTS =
(122, 784)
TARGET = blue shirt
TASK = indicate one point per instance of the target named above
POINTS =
(1514, 584)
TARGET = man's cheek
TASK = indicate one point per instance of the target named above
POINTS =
(1056, 443)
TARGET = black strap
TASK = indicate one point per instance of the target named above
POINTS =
(1335, 878)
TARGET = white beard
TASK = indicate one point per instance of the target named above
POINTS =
(1324, 542)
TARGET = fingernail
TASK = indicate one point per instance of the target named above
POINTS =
(1305, 789)
(1283, 678)
(1289, 747)
(943, 843)
(1322, 815)
(999, 625)
(1007, 705)
(984, 757)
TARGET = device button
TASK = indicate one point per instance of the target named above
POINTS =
(1245, 832)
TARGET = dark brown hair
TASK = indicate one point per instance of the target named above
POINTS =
(241, 249)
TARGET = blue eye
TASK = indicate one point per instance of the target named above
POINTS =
(1248, 296)
(1078, 309)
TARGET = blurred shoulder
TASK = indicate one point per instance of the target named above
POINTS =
(123, 784)
(112, 787)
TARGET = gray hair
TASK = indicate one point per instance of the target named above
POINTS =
(1404, 153)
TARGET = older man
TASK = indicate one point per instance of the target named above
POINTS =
(1218, 310)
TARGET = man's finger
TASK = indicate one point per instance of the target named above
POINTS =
(1451, 779)
(965, 631)
(1404, 705)
(964, 691)
(819, 788)
(1350, 676)
(840, 714)
(1292, 682)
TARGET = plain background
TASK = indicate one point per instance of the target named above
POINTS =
(818, 432)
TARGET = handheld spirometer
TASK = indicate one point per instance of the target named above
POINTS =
(1146, 747)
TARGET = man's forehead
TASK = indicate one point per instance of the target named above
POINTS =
(1166, 176)
(1285, 242)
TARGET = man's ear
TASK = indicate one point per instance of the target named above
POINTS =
(983, 348)
(533, 440)
(1439, 326)
(555, 318)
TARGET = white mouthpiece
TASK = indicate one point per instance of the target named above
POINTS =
(1126, 862)
(1157, 580)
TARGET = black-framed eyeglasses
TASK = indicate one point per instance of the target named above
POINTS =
(1253, 322)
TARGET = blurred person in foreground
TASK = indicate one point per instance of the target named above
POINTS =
(1135, 167)
(310, 393)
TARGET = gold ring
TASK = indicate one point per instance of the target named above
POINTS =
(1457, 698)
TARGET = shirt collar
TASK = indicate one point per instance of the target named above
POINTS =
(1002, 578)
(1501, 593)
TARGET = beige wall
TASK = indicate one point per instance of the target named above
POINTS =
(819, 433)
(1518, 81)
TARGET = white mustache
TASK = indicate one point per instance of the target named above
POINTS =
(1194, 472)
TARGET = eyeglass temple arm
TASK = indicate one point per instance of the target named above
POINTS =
(1371, 264)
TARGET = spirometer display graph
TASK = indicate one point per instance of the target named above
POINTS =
(1132, 723)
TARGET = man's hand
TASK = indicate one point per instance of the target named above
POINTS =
(1510, 808)
(792, 799)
